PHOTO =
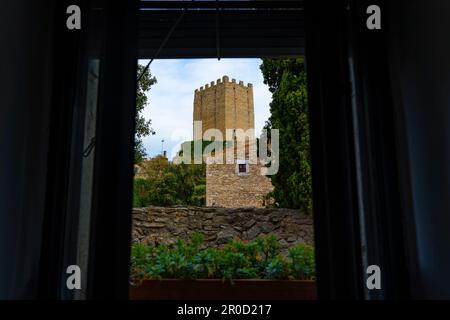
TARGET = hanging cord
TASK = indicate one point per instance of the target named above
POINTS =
(87, 151)
(89, 148)
(163, 44)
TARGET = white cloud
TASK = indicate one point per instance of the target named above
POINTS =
(171, 99)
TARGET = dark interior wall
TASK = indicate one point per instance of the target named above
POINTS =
(420, 67)
(25, 91)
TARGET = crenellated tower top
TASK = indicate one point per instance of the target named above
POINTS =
(225, 79)
(224, 104)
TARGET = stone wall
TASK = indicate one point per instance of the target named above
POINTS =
(218, 225)
(225, 188)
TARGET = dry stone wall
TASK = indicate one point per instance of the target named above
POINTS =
(219, 225)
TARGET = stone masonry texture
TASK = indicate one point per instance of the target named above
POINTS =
(225, 188)
(224, 105)
(219, 225)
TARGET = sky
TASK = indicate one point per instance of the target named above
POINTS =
(171, 99)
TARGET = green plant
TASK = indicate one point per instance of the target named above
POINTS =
(302, 262)
(199, 195)
(292, 184)
(277, 268)
(163, 183)
(269, 246)
(258, 259)
(206, 264)
(141, 257)
(141, 194)
(143, 127)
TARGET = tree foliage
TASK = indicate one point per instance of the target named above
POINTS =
(143, 126)
(163, 183)
(286, 79)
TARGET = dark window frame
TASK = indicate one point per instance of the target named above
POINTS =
(331, 38)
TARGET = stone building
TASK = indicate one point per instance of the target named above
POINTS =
(231, 185)
(224, 105)
(236, 181)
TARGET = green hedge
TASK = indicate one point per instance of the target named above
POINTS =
(258, 259)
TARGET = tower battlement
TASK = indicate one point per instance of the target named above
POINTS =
(224, 104)
(224, 79)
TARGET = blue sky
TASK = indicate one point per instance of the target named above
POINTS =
(171, 99)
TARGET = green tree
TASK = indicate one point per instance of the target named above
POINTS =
(286, 79)
(155, 168)
(163, 183)
(141, 189)
(143, 126)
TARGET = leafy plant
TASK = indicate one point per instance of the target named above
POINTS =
(302, 262)
(163, 183)
(143, 126)
(286, 79)
(257, 259)
(141, 257)
(141, 194)
(277, 268)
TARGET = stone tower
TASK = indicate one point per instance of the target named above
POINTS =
(224, 105)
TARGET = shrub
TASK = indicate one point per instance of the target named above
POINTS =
(257, 259)
(277, 268)
(168, 184)
(141, 193)
(199, 195)
(302, 262)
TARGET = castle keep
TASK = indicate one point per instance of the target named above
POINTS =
(224, 105)
(229, 105)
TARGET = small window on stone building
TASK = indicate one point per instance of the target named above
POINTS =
(242, 167)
